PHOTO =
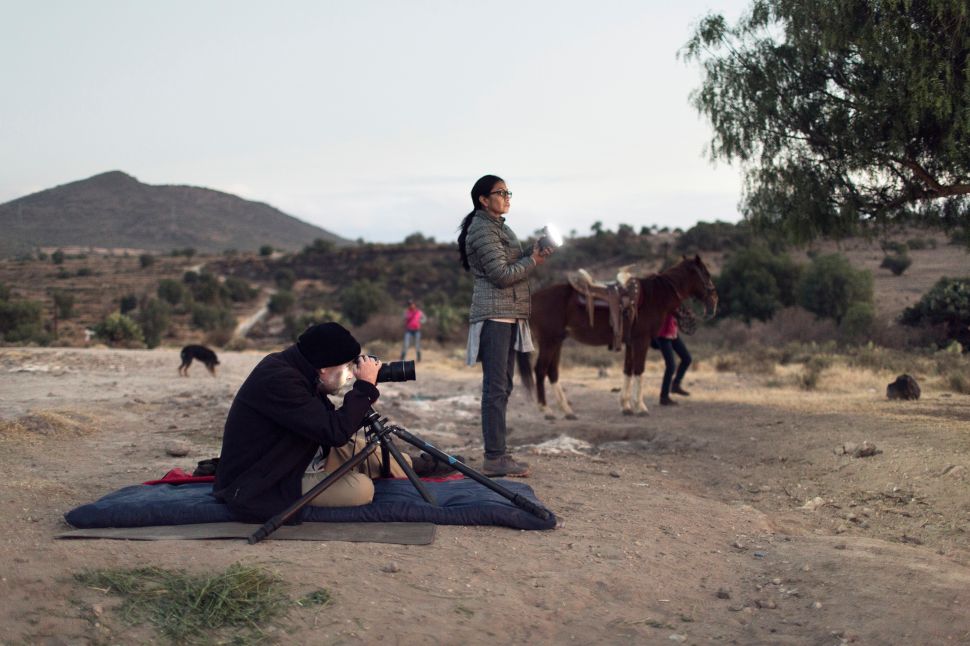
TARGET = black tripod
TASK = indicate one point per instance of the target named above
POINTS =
(379, 432)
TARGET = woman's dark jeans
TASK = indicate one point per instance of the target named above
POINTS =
(667, 348)
(496, 350)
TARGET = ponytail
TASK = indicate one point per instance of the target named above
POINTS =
(481, 188)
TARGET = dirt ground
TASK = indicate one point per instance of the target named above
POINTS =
(736, 517)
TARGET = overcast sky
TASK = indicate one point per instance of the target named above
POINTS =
(369, 118)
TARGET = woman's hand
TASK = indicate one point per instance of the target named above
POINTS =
(540, 253)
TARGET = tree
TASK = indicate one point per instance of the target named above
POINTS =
(361, 300)
(153, 317)
(946, 305)
(830, 286)
(754, 284)
(842, 113)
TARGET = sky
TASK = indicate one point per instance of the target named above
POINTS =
(371, 118)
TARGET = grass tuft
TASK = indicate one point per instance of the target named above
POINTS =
(186, 607)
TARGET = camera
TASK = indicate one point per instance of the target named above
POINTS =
(550, 238)
(394, 371)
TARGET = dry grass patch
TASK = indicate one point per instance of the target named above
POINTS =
(50, 424)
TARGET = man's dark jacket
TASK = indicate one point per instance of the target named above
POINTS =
(275, 424)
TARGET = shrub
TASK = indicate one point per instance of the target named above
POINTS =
(896, 264)
(361, 300)
(127, 303)
(856, 325)
(146, 260)
(63, 304)
(4, 292)
(171, 291)
(239, 290)
(211, 317)
(284, 278)
(755, 283)
(446, 320)
(813, 371)
(281, 302)
(830, 285)
(207, 289)
(154, 319)
(84, 271)
(266, 250)
(119, 329)
(22, 321)
(947, 302)
(57, 257)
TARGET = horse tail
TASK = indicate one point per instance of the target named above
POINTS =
(524, 359)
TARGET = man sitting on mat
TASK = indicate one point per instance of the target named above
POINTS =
(283, 435)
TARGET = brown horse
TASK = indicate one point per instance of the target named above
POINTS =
(557, 313)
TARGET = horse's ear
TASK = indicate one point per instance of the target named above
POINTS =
(683, 257)
(697, 257)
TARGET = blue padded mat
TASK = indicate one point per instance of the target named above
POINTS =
(460, 502)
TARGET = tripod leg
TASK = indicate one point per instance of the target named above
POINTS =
(518, 500)
(388, 445)
(281, 518)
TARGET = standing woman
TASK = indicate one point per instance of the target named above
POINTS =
(499, 315)
(669, 342)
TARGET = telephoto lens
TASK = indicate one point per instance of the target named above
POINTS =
(396, 371)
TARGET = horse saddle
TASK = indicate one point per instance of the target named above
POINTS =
(621, 297)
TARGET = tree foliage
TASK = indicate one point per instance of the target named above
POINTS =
(946, 304)
(754, 284)
(830, 286)
(842, 112)
(361, 300)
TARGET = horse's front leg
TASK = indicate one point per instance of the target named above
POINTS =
(563, 402)
(625, 404)
(637, 358)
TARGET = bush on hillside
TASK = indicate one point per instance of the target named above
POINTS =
(361, 300)
(211, 317)
(239, 290)
(119, 329)
(946, 306)
(171, 291)
(281, 302)
(154, 317)
(22, 321)
(754, 284)
(896, 263)
(830, 285)
(857, 324)
(127, 303)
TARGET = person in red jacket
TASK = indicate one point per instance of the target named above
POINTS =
(414, 318)
(669, 341)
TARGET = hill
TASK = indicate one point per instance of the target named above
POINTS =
(115, 210)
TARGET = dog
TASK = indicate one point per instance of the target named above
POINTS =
(203, 354)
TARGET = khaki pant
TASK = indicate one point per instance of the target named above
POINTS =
(355, 487)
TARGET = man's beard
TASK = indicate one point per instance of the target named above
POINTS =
(338, 384)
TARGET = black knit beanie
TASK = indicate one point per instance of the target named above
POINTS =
(328, 344)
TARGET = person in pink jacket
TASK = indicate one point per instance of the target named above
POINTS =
(669, 341)
(413, 319)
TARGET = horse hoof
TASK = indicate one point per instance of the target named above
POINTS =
(643, 413)
(550, 417)
(627, 412)
(571, 416)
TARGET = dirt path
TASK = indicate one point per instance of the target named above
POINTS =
(729, 519)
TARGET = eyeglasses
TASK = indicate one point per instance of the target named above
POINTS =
(503, 193)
